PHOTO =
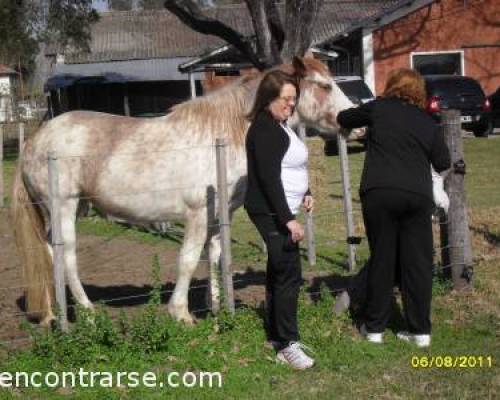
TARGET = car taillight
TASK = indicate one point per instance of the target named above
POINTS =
(486, 105)
(433, 104)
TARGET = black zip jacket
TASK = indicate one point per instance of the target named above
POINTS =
(402, 142)
(266, 145)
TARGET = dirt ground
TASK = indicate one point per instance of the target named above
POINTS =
(116, 271)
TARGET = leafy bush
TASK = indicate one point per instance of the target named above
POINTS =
(94, 333)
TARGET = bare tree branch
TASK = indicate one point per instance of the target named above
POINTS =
(267, 26)
(189, 13)
(275, 23)
(300, 17)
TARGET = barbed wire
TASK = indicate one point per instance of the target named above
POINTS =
(245, 281)
(135, 154)
(310, 293)
(319, 218)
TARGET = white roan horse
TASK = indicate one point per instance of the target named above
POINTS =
(145, 170)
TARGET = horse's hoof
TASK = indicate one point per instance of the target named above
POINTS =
(191, 321)
(181, 316)
(88, 306)
(48, 321)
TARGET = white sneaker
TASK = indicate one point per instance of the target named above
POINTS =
(419, 340)
(371, 337)
(294, 356)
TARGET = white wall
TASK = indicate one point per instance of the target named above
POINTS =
(368, 65)
(5, 86)
(5, 99)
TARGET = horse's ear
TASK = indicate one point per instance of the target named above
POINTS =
(299, 68)
(309, 54)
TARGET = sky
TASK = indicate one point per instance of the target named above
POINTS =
(100, 5)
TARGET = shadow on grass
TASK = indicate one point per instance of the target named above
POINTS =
(491, 237)
(339, 197)
(122, 296)
(352, 148)
(357, 290)
(128, 296)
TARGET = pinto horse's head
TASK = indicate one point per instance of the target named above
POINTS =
(320, 98)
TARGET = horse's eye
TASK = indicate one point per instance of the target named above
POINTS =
(325, 86)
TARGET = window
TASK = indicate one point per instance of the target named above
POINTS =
(449, 63)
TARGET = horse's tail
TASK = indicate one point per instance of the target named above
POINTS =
(33, 250)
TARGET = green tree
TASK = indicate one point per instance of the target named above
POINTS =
(26, 24)
(16, 42)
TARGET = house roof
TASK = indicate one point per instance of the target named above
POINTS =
(4, 70)
(132, 35)
(157, 69)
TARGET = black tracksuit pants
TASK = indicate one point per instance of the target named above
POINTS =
(283, 280)
(399, 229)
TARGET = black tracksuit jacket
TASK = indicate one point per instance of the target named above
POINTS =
(402, 141)
(266, 145)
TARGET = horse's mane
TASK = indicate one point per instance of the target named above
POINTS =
(221, 113)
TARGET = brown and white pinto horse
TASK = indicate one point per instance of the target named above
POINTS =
(146, 170)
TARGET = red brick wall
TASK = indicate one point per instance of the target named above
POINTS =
(444, 25)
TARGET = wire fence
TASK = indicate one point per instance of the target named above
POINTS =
(335, 237)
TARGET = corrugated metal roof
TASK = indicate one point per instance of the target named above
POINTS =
(159, 34)
(160, 69)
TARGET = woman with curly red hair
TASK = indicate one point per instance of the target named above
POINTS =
(397, 201)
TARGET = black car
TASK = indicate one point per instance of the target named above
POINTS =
(463, 94)
(355, 88)
(494, 99)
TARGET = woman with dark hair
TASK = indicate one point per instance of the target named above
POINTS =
(277, 187)
(397, 202)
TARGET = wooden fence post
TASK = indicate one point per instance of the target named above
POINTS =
(311, 243)
(57, 243)
(126, 103)
(309, 228)
(1, 168)
(192, 84)
(346, 188)
(225, 228)
(21, 138)
(456, 245)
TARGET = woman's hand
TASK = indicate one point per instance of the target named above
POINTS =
(308, 202)
(296, 230)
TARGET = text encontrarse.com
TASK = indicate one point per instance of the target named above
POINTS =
(90, 379)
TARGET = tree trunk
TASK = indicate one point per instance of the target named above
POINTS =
(457, 243)
(299, 22)
(267, 27)
(274, 43)
(190, 13)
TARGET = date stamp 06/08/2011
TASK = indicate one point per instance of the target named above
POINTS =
(452, 361)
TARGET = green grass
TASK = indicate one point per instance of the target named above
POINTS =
(464, 323)
(347, 367)
(99, 227)
(482, 158)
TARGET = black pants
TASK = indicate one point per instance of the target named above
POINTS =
(358, 286)
(283, 280)
(399, 229)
